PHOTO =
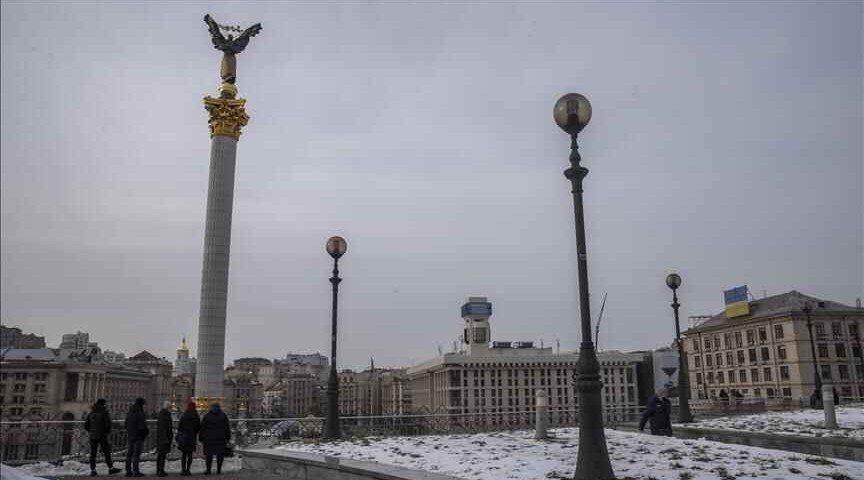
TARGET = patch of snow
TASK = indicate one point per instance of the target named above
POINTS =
(809, 423)
(71, 468)
(12, 473)
(518, 456)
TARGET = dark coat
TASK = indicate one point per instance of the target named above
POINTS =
(659, 411)
(136, 423)
(187, 431)
(164, 431)
(98, 422)
(215, 432)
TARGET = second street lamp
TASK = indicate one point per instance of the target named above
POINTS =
(336, 247)
(673, 281)
(572, 113)
(816, 397)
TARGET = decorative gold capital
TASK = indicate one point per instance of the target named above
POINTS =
(227, 116)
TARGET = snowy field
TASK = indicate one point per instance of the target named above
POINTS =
(44, 469)
(516, 455)
(809, 423)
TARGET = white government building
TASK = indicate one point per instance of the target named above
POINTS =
(505, 377)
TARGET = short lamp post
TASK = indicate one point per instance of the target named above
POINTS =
(572, 113)
(816, 397)
(673, 281)
(336, 247)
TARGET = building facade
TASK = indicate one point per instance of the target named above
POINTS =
(50, 384)
(13, 337)
(505, 377)
(76, 341)
(767, 353)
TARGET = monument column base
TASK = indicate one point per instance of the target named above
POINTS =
(202, 404)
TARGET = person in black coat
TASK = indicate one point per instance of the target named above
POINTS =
(659, 412)
(98, 425)
(187, 431)
(136, 432)
(164, 432)
(215, 435)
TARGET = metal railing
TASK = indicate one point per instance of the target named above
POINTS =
(56, 441)
(29, 441)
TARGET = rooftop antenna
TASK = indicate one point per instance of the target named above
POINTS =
(764, 293)
(696, 320)
(541, 343)
(858, 302)
(599, 319)
(557, 346)
(440, 351)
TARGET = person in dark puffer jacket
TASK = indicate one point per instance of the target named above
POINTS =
(98, 425)
(215, 435)
(136, 432)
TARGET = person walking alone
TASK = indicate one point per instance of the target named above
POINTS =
(659, 412)
(187, 431)
(164, 432)
(136, 432)
(98, 425)
(215, 435)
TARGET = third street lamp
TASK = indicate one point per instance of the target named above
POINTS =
(673, 281)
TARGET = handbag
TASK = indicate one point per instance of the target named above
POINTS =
(229, 451)
(180, 439)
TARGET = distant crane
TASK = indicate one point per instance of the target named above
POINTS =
(599, 319)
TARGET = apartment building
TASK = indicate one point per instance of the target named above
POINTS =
(767, 353)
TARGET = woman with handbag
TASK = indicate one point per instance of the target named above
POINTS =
(164, 427)
(187, 431)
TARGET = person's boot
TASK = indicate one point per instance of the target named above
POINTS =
(93, 473)
(113, 470)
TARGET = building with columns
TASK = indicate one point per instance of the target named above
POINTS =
(767, 352)
(504, 377)
(50, 384)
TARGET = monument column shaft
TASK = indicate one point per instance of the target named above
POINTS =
(214, 275)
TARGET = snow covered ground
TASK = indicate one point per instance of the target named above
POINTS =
(517, 456)
(9, 473)
(44, 469)
(811, 423)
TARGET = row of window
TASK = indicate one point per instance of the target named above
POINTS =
(22, 387)
(736, 339)
(39, 376)
(765, 355)
(826, 372)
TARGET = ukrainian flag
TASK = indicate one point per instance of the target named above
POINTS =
(736, 302)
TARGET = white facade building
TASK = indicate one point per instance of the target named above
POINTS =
(505, 377)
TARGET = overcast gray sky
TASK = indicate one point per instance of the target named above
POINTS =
(726, 144)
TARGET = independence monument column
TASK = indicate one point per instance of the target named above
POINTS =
(227, 116)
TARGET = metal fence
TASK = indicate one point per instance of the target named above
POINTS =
(55, 441)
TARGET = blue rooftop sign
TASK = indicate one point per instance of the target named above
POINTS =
(476, 308)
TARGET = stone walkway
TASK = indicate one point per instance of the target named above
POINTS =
(236, 475)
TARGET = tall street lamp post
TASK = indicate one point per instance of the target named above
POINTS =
(673, 281)
(572, 113)
(816, 397)
(336, 247)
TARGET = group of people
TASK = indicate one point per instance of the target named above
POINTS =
(213, 431)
